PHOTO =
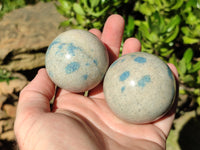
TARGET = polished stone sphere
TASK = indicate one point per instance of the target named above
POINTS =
(76, 60)
(139, 87)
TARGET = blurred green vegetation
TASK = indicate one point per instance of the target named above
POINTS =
(9, 5)
(169, 29)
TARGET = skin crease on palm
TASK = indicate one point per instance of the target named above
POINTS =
(86, 123)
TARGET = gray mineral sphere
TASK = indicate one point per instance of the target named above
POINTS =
(139, 87)
(76, 60)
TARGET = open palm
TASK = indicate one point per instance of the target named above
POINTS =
(86, 123)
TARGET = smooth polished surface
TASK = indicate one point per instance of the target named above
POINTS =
(139, 87)
(76, 60)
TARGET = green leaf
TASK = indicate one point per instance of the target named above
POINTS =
(187, 78)
(97, 25)
(188, 54)
(144, 30)
(198, 100)
(191, 19)
(100, 13)
(129, 28)
(166, 52)
(189, 40)
(195, 67)
(94, 3)
(173, 35)
(153, 37)
(78, 9)
(81, 20)
(178, 4)
(146, 9)
(65, 23)
(182, 91)
(182, 67)
(185, 31)
(173, 60)
(147, 44)
(198, 4)
(173, 23)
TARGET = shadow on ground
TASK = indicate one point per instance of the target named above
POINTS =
(190, 134)
(8, 145)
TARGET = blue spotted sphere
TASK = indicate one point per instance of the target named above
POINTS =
(139, 88)
(76, 60)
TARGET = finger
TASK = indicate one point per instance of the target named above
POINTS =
(96, 32)
(165, 123)
(112, 35)
(97, 92)
(35, 97)
(131, 45)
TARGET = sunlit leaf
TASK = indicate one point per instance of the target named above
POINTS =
(178, 4)
(146, 9)
(166, 52)
(129, 28)
(198, 100)
(94, 3)
(188, 54)
(173, 35)
(187, 78)
(186, 30)
(173, 23)
(188, 40)
(195, 67)
(99, 13)
(182, 67)
(78, 9)
(173, 60)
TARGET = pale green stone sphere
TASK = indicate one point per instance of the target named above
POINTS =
(139, 87)
(76, 60)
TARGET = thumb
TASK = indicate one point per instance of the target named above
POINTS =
(36, 95)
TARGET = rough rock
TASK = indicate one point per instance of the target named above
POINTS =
(9, 136)
(3, 115)
(14, 86)
(10, 110)
(25, 34)
(3, 98)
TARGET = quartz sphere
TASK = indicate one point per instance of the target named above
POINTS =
(76, 60)
(139, 87)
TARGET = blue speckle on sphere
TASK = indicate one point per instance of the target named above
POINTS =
(61, 45)
(169, 72)
(145, 79)
(50, 74)
(71, 49)
(122, 89)
(51, 45)
(132, 55)
(124, 75)
(85, 76)
(123, 60)
(72, 67)
(140, 60)
(56, 41)
(87, 64)
(114, 63)
(95, 61)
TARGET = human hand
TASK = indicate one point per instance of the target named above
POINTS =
(79, 122)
